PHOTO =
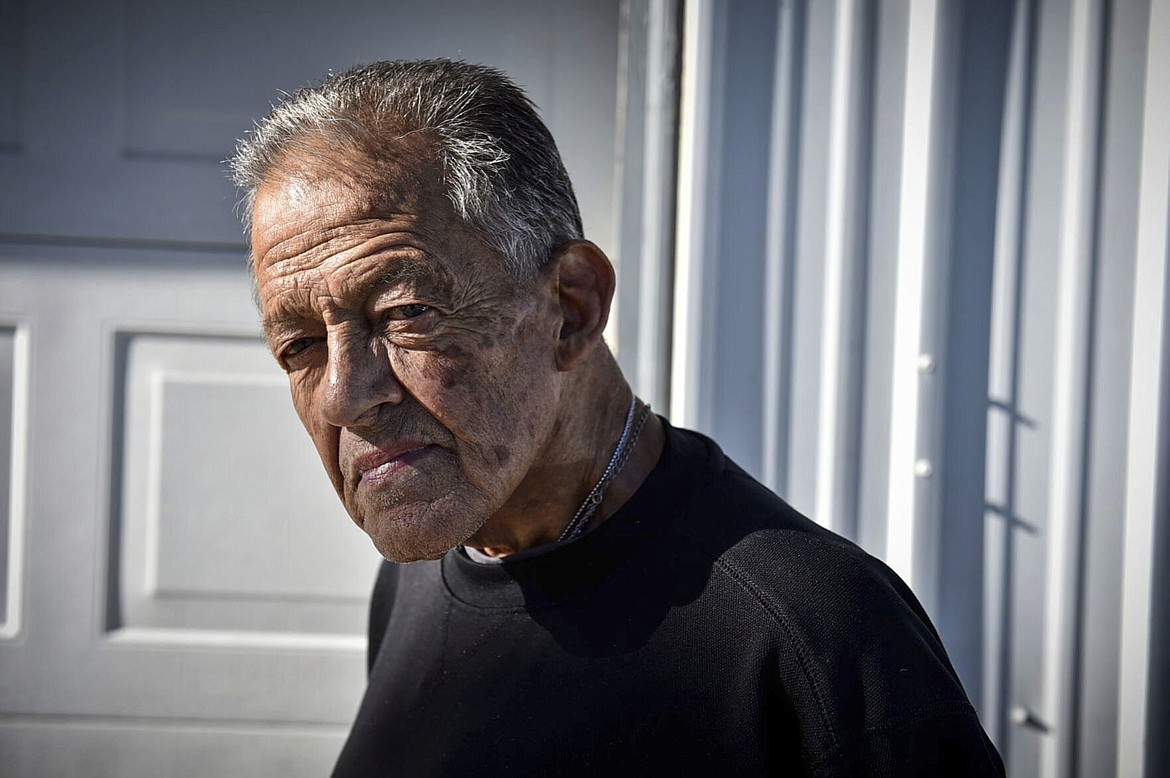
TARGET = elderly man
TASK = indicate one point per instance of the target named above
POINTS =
(601, 593)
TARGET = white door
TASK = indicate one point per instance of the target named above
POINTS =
(180, 592)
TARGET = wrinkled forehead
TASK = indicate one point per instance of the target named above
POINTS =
(323, 204)
(386, 173)
(320, 184)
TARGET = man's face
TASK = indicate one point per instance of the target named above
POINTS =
(423, 371)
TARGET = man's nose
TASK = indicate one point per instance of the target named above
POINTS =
(359, 379)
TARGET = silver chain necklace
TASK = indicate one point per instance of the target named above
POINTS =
(621, 453)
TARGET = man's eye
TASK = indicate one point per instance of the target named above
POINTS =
(399, 312)
(297, 346)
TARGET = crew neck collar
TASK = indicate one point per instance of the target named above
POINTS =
(547, 576)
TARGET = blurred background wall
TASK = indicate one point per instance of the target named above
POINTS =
(906, 260)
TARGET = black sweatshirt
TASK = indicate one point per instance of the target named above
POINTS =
(705, 628)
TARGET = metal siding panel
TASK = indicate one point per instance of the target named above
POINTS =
(878, 328)
(780, 241)
(741, 189)
(983, 39)
(1144, 688)
(808, 273)
(1104, 487)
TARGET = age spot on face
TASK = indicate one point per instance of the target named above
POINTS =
(503, 454)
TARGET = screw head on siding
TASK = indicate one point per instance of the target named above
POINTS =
(923, 468)
(926, 364)
(1022, 717)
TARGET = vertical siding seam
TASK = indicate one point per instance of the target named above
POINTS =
(1065, 507)
(839, 228)
(690, 378)
(658, 205)
(780, 254)
(913, 245)
(1003, 372)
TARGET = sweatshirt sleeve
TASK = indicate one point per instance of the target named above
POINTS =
(938, 740)
(859, 664)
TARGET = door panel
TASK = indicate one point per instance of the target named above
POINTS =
(181, 593)
(170, 569)
(127, 109)
(174, 750)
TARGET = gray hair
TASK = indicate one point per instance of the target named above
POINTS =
(500, 166)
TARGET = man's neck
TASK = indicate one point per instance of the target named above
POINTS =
(572, 462)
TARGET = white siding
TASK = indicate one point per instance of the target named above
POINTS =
(927, 305)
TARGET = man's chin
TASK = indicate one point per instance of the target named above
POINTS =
(395, 556)
(413, 538)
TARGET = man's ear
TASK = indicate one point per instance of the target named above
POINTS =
(583, 282)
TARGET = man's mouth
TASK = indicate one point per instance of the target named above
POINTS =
(384, 464)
